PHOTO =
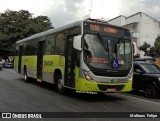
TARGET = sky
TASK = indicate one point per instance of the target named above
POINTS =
(62, 12)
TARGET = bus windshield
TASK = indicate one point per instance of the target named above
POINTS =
(103, 52)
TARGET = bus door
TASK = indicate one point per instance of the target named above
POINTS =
(70, 63)
(40, 53)
(20, 59)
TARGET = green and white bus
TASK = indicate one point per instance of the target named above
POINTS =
(87, 56)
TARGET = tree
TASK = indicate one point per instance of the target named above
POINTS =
(147, 49)
(157, 46)
(151, 51)
(16, 25)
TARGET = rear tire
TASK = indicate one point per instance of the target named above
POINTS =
(149, 91)
(25, 75)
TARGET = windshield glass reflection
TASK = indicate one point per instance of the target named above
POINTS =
(102, 52)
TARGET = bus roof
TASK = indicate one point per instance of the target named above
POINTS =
(50, 31)
(71, 25)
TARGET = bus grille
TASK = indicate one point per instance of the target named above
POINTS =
(105, 87)
(110, 74)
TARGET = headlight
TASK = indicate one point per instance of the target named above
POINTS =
(159, 78)
(130, 78)
(87, 76)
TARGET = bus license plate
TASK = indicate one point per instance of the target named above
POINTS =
(111, 89)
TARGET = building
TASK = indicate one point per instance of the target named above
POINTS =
(142, 27)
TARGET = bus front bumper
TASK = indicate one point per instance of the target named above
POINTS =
(92, 86)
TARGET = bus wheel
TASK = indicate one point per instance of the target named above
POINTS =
(60, 86)
(149, 91)
(25, 75)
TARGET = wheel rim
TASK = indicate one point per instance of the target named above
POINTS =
(60, 84)
(149, 92)
(25, 77)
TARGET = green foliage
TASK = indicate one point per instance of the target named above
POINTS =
(157, 45)
(144, 46)
(149, 51)
(16, 25)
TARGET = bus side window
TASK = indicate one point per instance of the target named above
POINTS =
(27, 49)
(50, 42)
(33, 48)
(59, 47)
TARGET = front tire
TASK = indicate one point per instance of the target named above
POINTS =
(59, 82)
(149, 91)
(60, 86)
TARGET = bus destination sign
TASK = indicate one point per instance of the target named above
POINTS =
(107, 29)
(110, 30)
(100, 28)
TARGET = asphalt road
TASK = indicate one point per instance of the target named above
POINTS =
(19, 96)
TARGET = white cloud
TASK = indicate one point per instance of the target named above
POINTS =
(150, 7)
(67, 11)
(34, 6)
(62, 12)
(105, 8)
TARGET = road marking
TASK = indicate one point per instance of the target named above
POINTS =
(148, 101)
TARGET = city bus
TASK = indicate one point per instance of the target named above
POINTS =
(88, 56)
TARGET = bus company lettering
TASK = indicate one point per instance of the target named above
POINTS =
(48, 63)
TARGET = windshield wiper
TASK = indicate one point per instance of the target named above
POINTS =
(102, 43)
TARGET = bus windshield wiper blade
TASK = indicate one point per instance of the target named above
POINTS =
(101, 41)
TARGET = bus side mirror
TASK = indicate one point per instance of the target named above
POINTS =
(135, 49)
(77, 42)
